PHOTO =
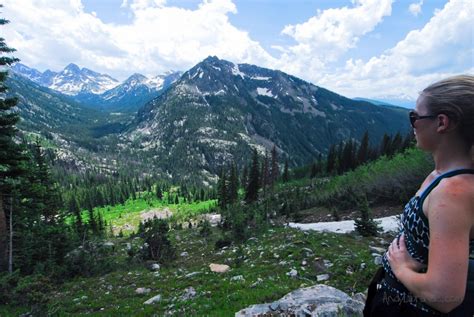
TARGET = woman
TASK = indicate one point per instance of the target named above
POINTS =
(427, 270)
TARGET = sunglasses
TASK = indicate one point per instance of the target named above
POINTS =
(415, 116)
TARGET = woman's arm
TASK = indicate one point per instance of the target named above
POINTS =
(450, 212)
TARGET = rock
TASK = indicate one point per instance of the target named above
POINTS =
(377, 250)
(192, 274)
(219, 268)
(378, 260)
(188, 294)
(154, 299)
(155, 267)
(214, 219)
(184, 253)
(259, 281)
(319, 265)
(304, 263)
(109, 245)
(317, 300)
(363, 266)
(292, 273)
(237, 278)
(360, 297)
(322, 277)
(142, 290)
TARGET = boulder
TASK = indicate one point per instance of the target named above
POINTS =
(237, 278)
(322, 277)
(219, 268)
(153, 300)
(317, 300)
(188, 294)
(155, 267)
(142, 290)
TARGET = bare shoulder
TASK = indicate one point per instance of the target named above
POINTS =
(458, 187)
(452, 201)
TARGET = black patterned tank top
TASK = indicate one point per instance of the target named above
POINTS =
(416, 228)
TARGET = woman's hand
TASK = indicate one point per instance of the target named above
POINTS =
(400, 259)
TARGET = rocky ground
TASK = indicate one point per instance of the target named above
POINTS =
(261, 271)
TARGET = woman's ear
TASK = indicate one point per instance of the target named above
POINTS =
(445, 123)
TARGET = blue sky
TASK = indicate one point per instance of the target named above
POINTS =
(381, 49)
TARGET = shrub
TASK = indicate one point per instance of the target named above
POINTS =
(157, 245)
(90, 259)
(365, 225)
(205, 228)
(222, 242)
(8, 283)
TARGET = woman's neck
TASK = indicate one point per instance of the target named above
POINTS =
(452, 154)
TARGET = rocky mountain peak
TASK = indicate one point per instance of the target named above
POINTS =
(71, 69)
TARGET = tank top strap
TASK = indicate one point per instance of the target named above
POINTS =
(434, 183)
(438, 179)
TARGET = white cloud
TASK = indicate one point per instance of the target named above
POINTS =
(160, 37)
(443, 47)
(53, 33)
(325, 37)
(415, 8)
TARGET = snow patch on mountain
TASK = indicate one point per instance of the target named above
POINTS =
(260, 78)
(236, 72)
(264, 92)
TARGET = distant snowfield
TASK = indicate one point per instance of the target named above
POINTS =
(387, 224)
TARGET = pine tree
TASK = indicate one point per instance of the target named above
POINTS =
(10, 153)
(74, 210)
(347, 160)
(159, 193)
(385, 145)
(407, 140)
(275, 171)
(397, 143)
(222, 199)
(92, 221)
(265, 173)
(314, 170)
(233, 184)
(366, 225)
(253, 186)
(363, 153)
(244, 178)
(286, 174)
(331, 159)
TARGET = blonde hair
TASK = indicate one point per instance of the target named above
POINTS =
(454, 97)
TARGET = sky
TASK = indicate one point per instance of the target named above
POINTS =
(380, 49)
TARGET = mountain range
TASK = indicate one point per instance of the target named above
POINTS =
(100, 91)
(204, 118)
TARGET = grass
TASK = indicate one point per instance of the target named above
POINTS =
(127, 217)
(268, 256)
